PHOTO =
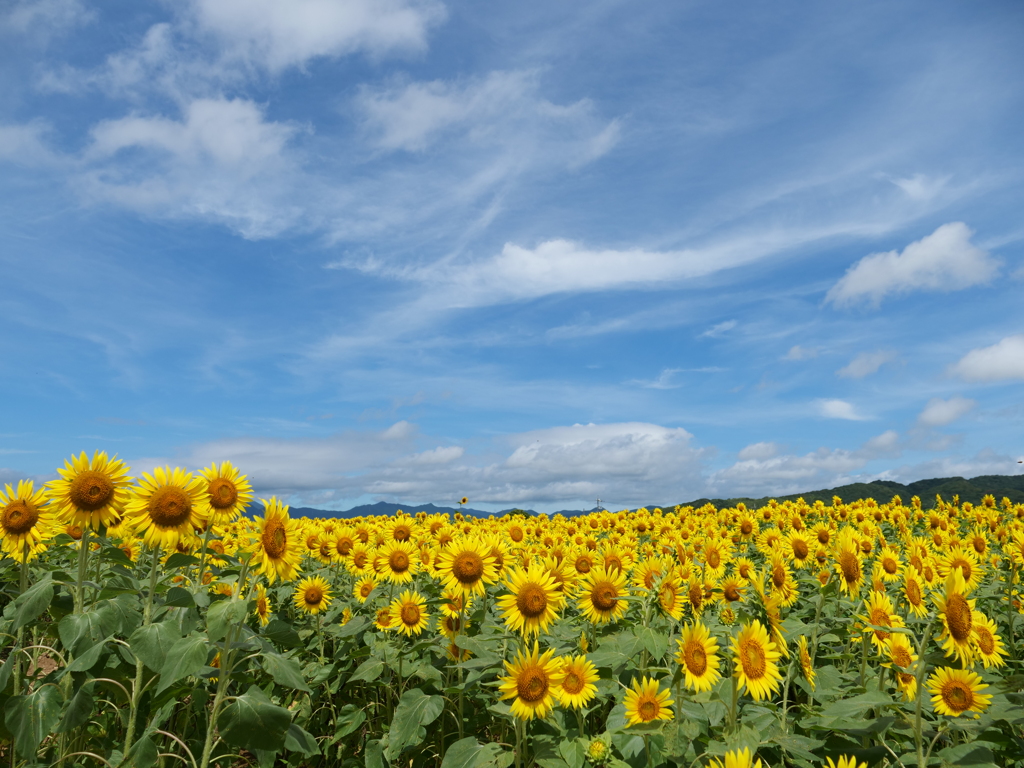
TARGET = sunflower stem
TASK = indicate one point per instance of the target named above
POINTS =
(83, 558)
(458, 661)
(918, 736)
(864, 641)
(202, 555)
(21, 631)
(147, 614)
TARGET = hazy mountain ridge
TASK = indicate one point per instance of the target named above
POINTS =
(972, 490)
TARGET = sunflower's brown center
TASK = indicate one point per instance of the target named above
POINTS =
(343, 545)
(532, 601)
(384, 617)
(573, 683)
(401, 532)
(262, 606)
(913, 592)
(91, 490)
(986, 643)
(468, 567)
(312, 541)
(583, 565)
(979, 544)
(849, 565)
(713, 557)
(753, 659)
(696, 595)
(906, 678)
(964, 565)
(778, 575)
(731, 592)
(958, 617)
(74, 531)
(532, 684)
(744, 570)
(169, 506)
(696, 658)
(800, 549)
(880, 618)
(399, 561)
(325, 550)
(516, 533)
(604, 595)
(410, 614)
(223, 493)
(18, 517)
(313, 596)
(274, 538)
(648, 710)
(889, 565)
(612, 562)
(359, 559)
(823, 536)
(746, 527)
(901, 657)
(957, 695)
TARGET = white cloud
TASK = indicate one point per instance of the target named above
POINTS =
(439, 455)
(759, 451)
(886, 443)
(719, 329)
(939, 412)
(798, 353)
(24, 144)
(865, 364)
(839, 409)
(942, 261)
(44, 17)
(664, 380)
(1001, 362)
(277, 35)
(921, 187)
(222, 161)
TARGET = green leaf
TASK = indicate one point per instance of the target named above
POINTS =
(374, 754)
(180, 560)
(355, 625)
(349, 719)
(31, 718)
(974, 755)
(252, 721)
(282, 633)
(469, 753)
(368, 671)
(8, 667)
(78, 711)
(573, 752)
(88, 659)
(179, 598)
(855, 706)
(30, 606)
(654, 642)
(117, 555)
(298, 740)
(152, 643)
(143, 753)
(186, 657)
(415, 709)
(285, 671)
(222, 615)
(81, 631)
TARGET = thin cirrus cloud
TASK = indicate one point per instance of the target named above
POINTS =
(939, 412)
(1003, 361)
(945, 260)
(865, 364)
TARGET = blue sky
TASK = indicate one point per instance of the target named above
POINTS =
(531, 253)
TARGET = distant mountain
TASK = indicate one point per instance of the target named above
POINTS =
(1000, 486)
(1009, 486)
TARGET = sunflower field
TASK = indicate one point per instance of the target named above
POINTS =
(153, 622)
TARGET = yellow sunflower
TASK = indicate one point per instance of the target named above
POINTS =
(167, 506)
(363, 588)
(382, 620)
(277, 549)
(645, 703)
(988, 646)
(409, 613)
(880, 613)
(913, 590)
(531, 683)
(467, 566)
(263, 606)
(698, 657)
(957, 614)
(90, 493)
(577, 688)
(25, 520)
(848, 562)
(601, 595)
(736, 758)
(845, 761)
(397, 561)
(672, 597)
(533, 602)
(901, 655)
(806, 662)
(228, 492)
(312, 595)
(755, 658)
(955, 691)
(890, 564)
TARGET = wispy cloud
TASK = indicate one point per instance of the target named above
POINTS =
(839, 409)
(939, 412)
(865, 364)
